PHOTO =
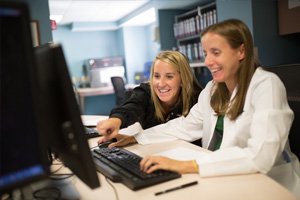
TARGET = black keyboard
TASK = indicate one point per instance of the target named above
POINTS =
(91, 132)
(120, 165)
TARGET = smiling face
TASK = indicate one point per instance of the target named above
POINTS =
(166, 82)
(222, 60)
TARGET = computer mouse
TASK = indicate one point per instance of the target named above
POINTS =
(91, 132)
(105, 144)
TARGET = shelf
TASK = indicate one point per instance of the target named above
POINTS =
(208, 6)
(197, 64)
(187, 29)
(187, 14)
(188, 38)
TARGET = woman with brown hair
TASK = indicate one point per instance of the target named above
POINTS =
(242, 115)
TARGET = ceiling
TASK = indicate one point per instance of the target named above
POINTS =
(92, 10)
(71, 11)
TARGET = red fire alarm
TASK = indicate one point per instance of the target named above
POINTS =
(53, 24)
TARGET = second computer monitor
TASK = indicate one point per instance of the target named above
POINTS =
(60, 118)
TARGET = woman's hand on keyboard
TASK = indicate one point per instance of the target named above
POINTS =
(150, 164)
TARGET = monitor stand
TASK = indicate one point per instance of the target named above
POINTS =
(48, 189)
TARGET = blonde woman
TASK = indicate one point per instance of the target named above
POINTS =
(171, 92)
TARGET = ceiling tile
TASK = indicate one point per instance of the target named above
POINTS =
(96, 10)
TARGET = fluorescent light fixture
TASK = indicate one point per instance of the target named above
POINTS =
(93, 26)
(56, 18)
(142, 19)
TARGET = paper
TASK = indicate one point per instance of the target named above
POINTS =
(181, 153)
(92, 120)
(132, 129)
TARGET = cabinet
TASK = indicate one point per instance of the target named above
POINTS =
(187, 28)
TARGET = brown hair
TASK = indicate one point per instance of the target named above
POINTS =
(236, 33)
(188, 80)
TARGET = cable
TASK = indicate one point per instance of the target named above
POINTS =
(109, 182)
(59, 176)
(113, 187)
(52, 192)
(58, 169)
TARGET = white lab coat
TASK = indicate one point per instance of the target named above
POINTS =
(254, 142)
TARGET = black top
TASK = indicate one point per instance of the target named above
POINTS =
(140, 108)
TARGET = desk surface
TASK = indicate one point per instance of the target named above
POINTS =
(84, 92)
(90, 92)
(251, 186)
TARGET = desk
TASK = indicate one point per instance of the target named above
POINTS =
(251, 186)
(92, 120)
(88, 92)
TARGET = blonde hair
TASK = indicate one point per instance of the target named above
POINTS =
(236, 33)
(181, 63)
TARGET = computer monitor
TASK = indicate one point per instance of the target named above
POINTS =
(39, 112)
(60, 116)
(21, 159)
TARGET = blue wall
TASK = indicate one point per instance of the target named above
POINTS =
(79, 46)
(99, 105)
(166, 19)
(235, 9)
(273, 49)
(133, 43)
(137, 49)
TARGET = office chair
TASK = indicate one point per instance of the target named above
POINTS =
(121, 93)
(289, 74)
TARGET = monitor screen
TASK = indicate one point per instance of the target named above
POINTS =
(60, 116)
(101, 77)
(21, 158)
